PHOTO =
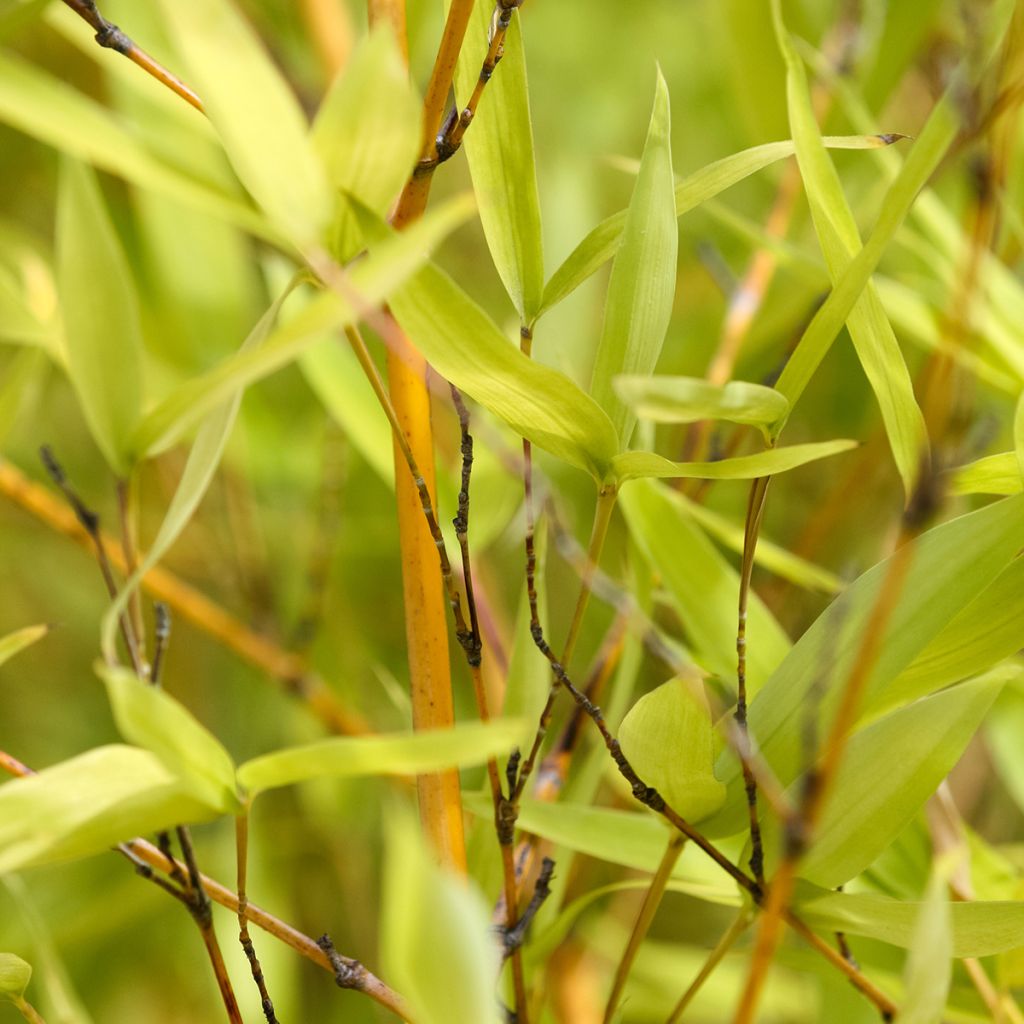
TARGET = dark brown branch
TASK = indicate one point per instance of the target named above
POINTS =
(242, 849)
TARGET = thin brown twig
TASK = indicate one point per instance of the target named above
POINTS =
(292, 672)
(242, 851)
(129, 545)
(109, 36)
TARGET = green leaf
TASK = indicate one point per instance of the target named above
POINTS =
(634, 465)
(888, 772)
(870, 330)
(17, 641)
(643, 282)
(669, 739)
(603, 241)
(253, 109)
(703, 585)
(928, 149)
(689, 399)
(929, 967)
(1003, 732)
(19, 323)
(994, 474)
(370, 281)
(768, 555)
(21, 389)
(87, 804)
(1018, 433)
(101, 316)
(202, 462)
(15, 975)
(151, 718)
(368, 132)
(980, 928)
(499, 149)
(49, 110)
(437, 944)
(398, 754)
(950, 566)
(464, 345)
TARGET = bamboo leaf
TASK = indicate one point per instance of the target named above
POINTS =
(689, 399)
(17, 641)
(21, 389)
(253, 109)
(949, 567)
(101, 314)
(669, 739)
(151, 718)
(642, 286)
(704, 587)
(87, 804)
(368, 131)
(15, 975)
(499, 149)
(435, 928)
(876, 794)
(872, 334)
(463, 344)
(371, 280)
(203, 460)
(1018, 434)
(603, 241)
(929, 967)
(979, 928)
(1003, 732)
(994, 474)
(399, 754)
(47, 109)
(635, 465)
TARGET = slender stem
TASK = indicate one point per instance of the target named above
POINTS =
(28, 1011)
(330, 28)
(725, 944)
(111, 37)
(649, 907)
(292, 672)
(242, 851)
(129, 545)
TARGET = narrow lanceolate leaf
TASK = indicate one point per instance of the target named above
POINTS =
(19, 323)
(103, 337)
(689, 399)
(928, 149)
(435, 928)
(370, 281)
(979, 928)
(400, 754)
(51, 111)
(15, 975)
(254, 111)
(464, 345)
(669, 739)
(949, 567)
(603, 242)
(368, 133)
(888, 772)
(499, 148)
(149, 717)
(994, 474)
(643, 282)
(929, 968)
(202, 462)
(872, 334)
(17, 641)
(1018, 434)
(633, 465)
(89, 803)
(703, 586)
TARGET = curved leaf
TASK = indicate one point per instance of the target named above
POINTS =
(17, 641)
(398, 754)
(643, 282)
(994, 474)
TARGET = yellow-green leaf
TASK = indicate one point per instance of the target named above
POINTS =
(15, 975)
(634, 465)
(994, 474)
(668, 738)
(17, 641)
(398, 754)
(499, 149)
(643, 281)
(259, 120)
(91, 802)
(103, 336)
(151, 718)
